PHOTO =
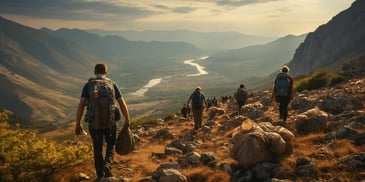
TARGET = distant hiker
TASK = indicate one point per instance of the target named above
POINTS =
(224, 99)
(185, 111)
(283, 91)
(210, 102)
(100, 95)
(241, 96)
(198, 100)
(215, 102)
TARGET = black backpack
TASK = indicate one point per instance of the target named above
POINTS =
(241, 95)
(197, 100)
(101, 105)
(282, 86)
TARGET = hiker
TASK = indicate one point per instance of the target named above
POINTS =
(215, 102)
(185, 111)
(198, 100)
(283, 91)
(100, 94)
(241, 97)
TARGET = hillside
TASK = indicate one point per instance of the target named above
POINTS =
(332, 44)
(44, 70)
(332, 153)
(254, 61)
(203, 40)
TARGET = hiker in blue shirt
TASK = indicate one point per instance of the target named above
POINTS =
(97, 92)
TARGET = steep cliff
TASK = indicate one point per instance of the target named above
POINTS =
(339, 41)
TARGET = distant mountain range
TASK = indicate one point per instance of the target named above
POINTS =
(204, 40)
(42, 71)
(254, 61)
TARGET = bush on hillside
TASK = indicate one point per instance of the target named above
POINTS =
(169, 116)
(24, 156)
(144, 121)
(319, 79)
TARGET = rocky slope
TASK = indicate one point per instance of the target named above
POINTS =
(339, 40)
(329, 147)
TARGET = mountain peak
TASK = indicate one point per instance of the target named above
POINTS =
(334, 43)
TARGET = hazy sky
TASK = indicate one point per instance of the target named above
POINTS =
(256, 17)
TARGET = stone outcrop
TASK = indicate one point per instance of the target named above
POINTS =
(330, 45)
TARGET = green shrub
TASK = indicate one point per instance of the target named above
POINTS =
(319, 79)
(27, 157)
(170, 116)
(144, 121)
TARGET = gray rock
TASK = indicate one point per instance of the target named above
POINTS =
(177, 144)
(207, 157)
(264, 171)
(191, 159)
(83, 176)
(171, 165)
(357, 161)
(172, 151)
(169, 175)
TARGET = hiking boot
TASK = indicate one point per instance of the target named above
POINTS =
(98, 179)
(108, 171)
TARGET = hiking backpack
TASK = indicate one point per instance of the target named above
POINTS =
(197, 100)
(241, 95)
(282, 86)
(101, 103)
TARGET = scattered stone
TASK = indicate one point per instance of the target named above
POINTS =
(83, 176)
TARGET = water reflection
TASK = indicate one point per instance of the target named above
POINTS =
(140, 92)
(201, 69)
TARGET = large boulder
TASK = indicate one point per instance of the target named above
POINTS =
(250, 149)
(255, 143)
(253, 110)
(284, 133)
(168, 175)
(311, 121)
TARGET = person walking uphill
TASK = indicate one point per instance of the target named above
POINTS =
(241, 97)
(198, 100)
(100, 95)
(283, 91)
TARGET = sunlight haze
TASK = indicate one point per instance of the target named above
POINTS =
(256, 17)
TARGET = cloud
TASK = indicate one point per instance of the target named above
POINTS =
(72, 9)
(183, 10)
(241, 2)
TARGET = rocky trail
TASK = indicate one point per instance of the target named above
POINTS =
(328, 125)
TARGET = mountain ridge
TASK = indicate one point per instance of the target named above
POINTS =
(204, 40)
(334, 43)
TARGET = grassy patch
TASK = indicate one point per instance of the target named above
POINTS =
(319, 79)
(144, 121)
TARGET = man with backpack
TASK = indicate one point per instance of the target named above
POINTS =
(100, 95)
(283, 91)
(241, 96)
(198, 100)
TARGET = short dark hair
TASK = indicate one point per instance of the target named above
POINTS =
(242, 86)
(100, 68)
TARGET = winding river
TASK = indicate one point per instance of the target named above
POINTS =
(201, 71)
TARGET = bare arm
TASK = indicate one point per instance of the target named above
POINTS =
(124, 108)
(80, 111)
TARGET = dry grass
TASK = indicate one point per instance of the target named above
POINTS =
(205, 174)
(325, 156)
(141, 161)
